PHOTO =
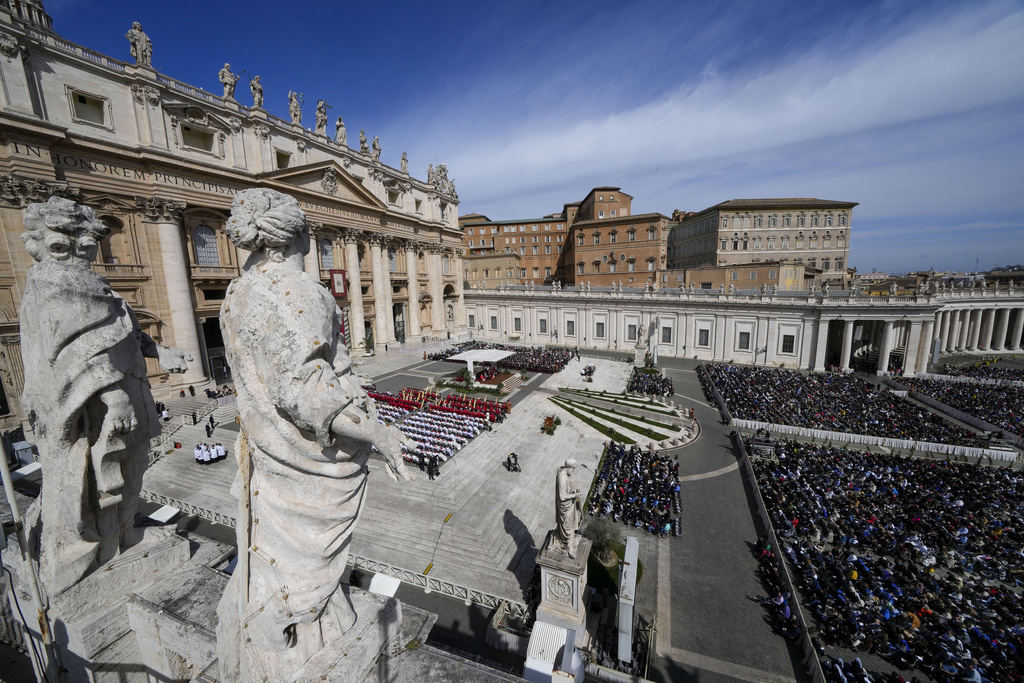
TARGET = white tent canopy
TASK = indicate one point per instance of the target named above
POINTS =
(481, 356)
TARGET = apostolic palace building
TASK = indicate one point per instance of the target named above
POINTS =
(762, 281)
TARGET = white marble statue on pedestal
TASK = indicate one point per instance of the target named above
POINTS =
(86, 395)
(568, 510)
(307, 432)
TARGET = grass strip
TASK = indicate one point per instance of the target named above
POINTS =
(607, 431)
(645, 420)
(627, 403)
(636, 429)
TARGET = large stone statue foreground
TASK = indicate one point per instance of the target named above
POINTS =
(308, 429)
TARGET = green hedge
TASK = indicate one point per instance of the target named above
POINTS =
(645, 420)
(647, 433)
(607, 431)
(600, 396)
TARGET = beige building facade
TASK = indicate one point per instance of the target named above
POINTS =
(161, 160)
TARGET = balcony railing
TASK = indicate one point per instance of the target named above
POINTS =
(214, 272)
(120, 270)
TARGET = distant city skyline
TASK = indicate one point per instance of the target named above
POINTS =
(911, 110)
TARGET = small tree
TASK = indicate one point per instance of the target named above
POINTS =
(368, 344)
(603, 535)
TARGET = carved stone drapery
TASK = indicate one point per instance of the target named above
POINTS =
(329, 181)
(18, 192)
(159, 210)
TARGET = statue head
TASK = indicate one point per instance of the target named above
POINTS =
(61, 230)
(227, 66)
(136, 26)
(570, 463)
(256, 79)
(266, 219)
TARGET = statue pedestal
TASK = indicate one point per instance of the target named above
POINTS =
(89, 621)
(563, 582)
(639, 354)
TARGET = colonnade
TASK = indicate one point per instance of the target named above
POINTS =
(990, 328)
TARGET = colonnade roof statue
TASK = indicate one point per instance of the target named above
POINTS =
(86, 395)
(308, 429)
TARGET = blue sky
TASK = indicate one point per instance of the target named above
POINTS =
(914, 109)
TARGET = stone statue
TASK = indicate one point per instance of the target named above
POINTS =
(732, 288)
(892, 288)
(86, 395)
(340, 136)
(294, 107)
(405, 163)
(375, 154)
(257, 92)
(430, 174)
(142, 48)
(691, 287)
(764, 289)
(228, 80)
(307, 431)
(321, 117)
(568, 510)
(363, 147)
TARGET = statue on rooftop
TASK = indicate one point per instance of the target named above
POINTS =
(295, 106)
(257, 92)
(141, 47)
(568, 510)
(307, 432)
(430, 174)
(364, 148)
(321, 117)
(375, 154)
(340, 136)
(228, 80)
(86, 394)
(405, 163)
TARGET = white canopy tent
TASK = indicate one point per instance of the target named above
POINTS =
(481, 356)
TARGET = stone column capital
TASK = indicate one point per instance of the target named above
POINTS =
(19, 192)
(159, 210)
(377, 239)
(434, 248)
(350, 235)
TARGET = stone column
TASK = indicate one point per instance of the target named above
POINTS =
(965, 325)
(847, 344)
(389, 304)
(1018, 329)
(165, 215)
(924, 350)
(435, 287)
(380, 325)
(460, 303)
(414, 288)
(821, 343)
(974, 319)
(883, 356)
(356, 321)
(987, 328)
(914, 342)
(944, 328)
(1003, 320)
(311, 261)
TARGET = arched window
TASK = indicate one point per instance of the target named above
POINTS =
(205, 242)
(326, 255)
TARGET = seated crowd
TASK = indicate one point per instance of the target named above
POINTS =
(525, 358)
(836, 403)
(1002, 406)
(639, 488)
(915, 561)
(986, 369)
(651, 383)
(436, 426)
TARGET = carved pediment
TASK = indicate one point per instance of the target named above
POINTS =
(327, 178)
(199, 116)
(107, 203)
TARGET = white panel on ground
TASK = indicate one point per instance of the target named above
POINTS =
(165, 514)
(546, 643)
(627, 596)
(381, 584)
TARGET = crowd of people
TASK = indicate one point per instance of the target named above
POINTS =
(826, 401)
(636, 487)
(1002, 406)
(650, 383)
(524, 358)
(919, 562)
(432, 432)
(206, 453)
(986, 369)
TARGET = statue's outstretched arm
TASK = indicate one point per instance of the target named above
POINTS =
(171, 358)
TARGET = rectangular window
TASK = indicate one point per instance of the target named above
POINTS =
(600, 214)
(535, 251)
(632, 266)
(666, 335)
(517, 324)
(772, 222)
(744, 342)
(703, 337)
(632, 235)
(536, 239)
(494, 322)
(547, 272)
(579, 268)
(547, 248)
(471, 243)
(522, 251)
(801, 221)
(613, 238)
(771, 274)
(535, 228)
(753, 275)
(631, 332)
(196, 139)
(472, 321)
(597, 238)
(725, 245)
(613, 213)
(758, 222)
(651, 233)
(599, 330)
(559, 248)
(560, 239)
(570, 328)
(788, 343)
(735, 275)
(89, 109)
(542, 325)
(787, 221)
(842, 219)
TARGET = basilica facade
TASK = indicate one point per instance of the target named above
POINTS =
(160, 161)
